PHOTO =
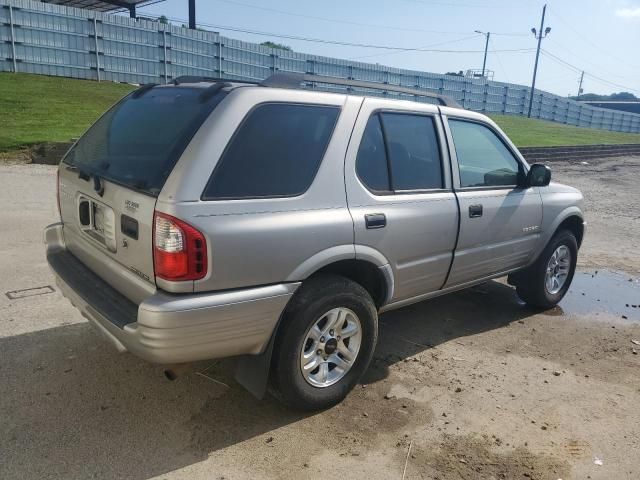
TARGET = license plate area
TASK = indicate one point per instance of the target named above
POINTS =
(97, 221)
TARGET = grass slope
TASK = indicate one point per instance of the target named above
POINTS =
(528, 132)
(36, 109)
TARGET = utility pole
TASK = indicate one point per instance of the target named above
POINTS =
(486, 48)
(539, 36)
(192, 14)
(580, 86)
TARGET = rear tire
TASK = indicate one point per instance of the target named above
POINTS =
(324, 343)
(546, 282)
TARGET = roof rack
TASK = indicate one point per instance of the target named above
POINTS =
(198, 79)
(294, 80)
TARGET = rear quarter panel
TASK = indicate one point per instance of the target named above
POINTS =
(263, 240)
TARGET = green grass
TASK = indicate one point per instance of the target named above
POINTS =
(527, 132)
(36, 109)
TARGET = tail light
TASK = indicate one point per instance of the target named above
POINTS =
(179, 250)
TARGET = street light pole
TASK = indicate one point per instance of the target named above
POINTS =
(486, 48)
(539, 35)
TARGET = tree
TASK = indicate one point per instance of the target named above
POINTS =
(623, 96)
(620, 97)
(279, 46)
(163, 19)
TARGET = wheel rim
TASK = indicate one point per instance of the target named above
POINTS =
(558, 269)
(331, 347)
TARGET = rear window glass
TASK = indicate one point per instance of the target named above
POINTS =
(276, 152)
(139, 140)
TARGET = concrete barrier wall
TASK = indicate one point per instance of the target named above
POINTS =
(50, 39)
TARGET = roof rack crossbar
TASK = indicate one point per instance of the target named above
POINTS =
(294, 80)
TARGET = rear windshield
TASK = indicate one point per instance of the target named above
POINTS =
(139, 140)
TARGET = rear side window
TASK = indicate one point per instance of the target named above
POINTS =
(138, 141)
(276, 152)
(372, 159)
(400, 152)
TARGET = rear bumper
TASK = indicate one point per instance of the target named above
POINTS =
(170, 328)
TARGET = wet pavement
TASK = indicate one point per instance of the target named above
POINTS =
(610, 295)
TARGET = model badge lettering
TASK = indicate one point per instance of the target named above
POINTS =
(131, 205)
(139, 273)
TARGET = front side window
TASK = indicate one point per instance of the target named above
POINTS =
(399, 152)
(483, 160)
(275, 152)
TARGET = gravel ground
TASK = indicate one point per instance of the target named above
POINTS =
(468, 386)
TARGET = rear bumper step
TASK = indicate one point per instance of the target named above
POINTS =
(106, 300)
(170, 328)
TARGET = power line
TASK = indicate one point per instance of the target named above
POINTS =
(335, 20)
(334, 42)
(451, 4)
(585, 60)
(349, 22)
(351, 44)
(592, 43)
(424, 46)
(504, 71)
(587, 74)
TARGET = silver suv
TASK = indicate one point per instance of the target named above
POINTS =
(207, 219)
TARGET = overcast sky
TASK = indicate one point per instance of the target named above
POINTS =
(601, 37)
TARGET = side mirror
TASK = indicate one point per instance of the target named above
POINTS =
(539, 175)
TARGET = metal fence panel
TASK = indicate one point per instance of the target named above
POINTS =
(49, 39)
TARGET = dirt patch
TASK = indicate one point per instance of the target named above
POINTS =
(612, 200)
(485, 457)
(473, 377)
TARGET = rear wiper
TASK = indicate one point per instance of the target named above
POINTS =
(82, 172)
(86, 174)
(143, 89)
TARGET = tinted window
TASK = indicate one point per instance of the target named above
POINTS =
(413, 153)
(483, 160)
(371, 163)
(138, 141)
(276, 152)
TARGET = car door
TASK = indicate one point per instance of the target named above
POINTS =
(499, 220)
(399, 194)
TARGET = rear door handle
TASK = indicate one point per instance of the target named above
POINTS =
(375, 220)
(475, 211)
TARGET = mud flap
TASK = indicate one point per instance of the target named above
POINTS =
(516, 278)
(252, 371)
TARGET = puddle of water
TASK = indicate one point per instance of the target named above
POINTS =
(602, 292)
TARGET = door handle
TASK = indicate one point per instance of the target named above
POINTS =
(475, 211)
(375, 220)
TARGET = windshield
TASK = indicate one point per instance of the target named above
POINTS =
(139, 140)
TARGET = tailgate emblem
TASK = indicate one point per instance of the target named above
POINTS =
(131, 205)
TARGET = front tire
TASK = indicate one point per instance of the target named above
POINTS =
(324, 344)
(547, 281)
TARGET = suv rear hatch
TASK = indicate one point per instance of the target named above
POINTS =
(110, 179)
